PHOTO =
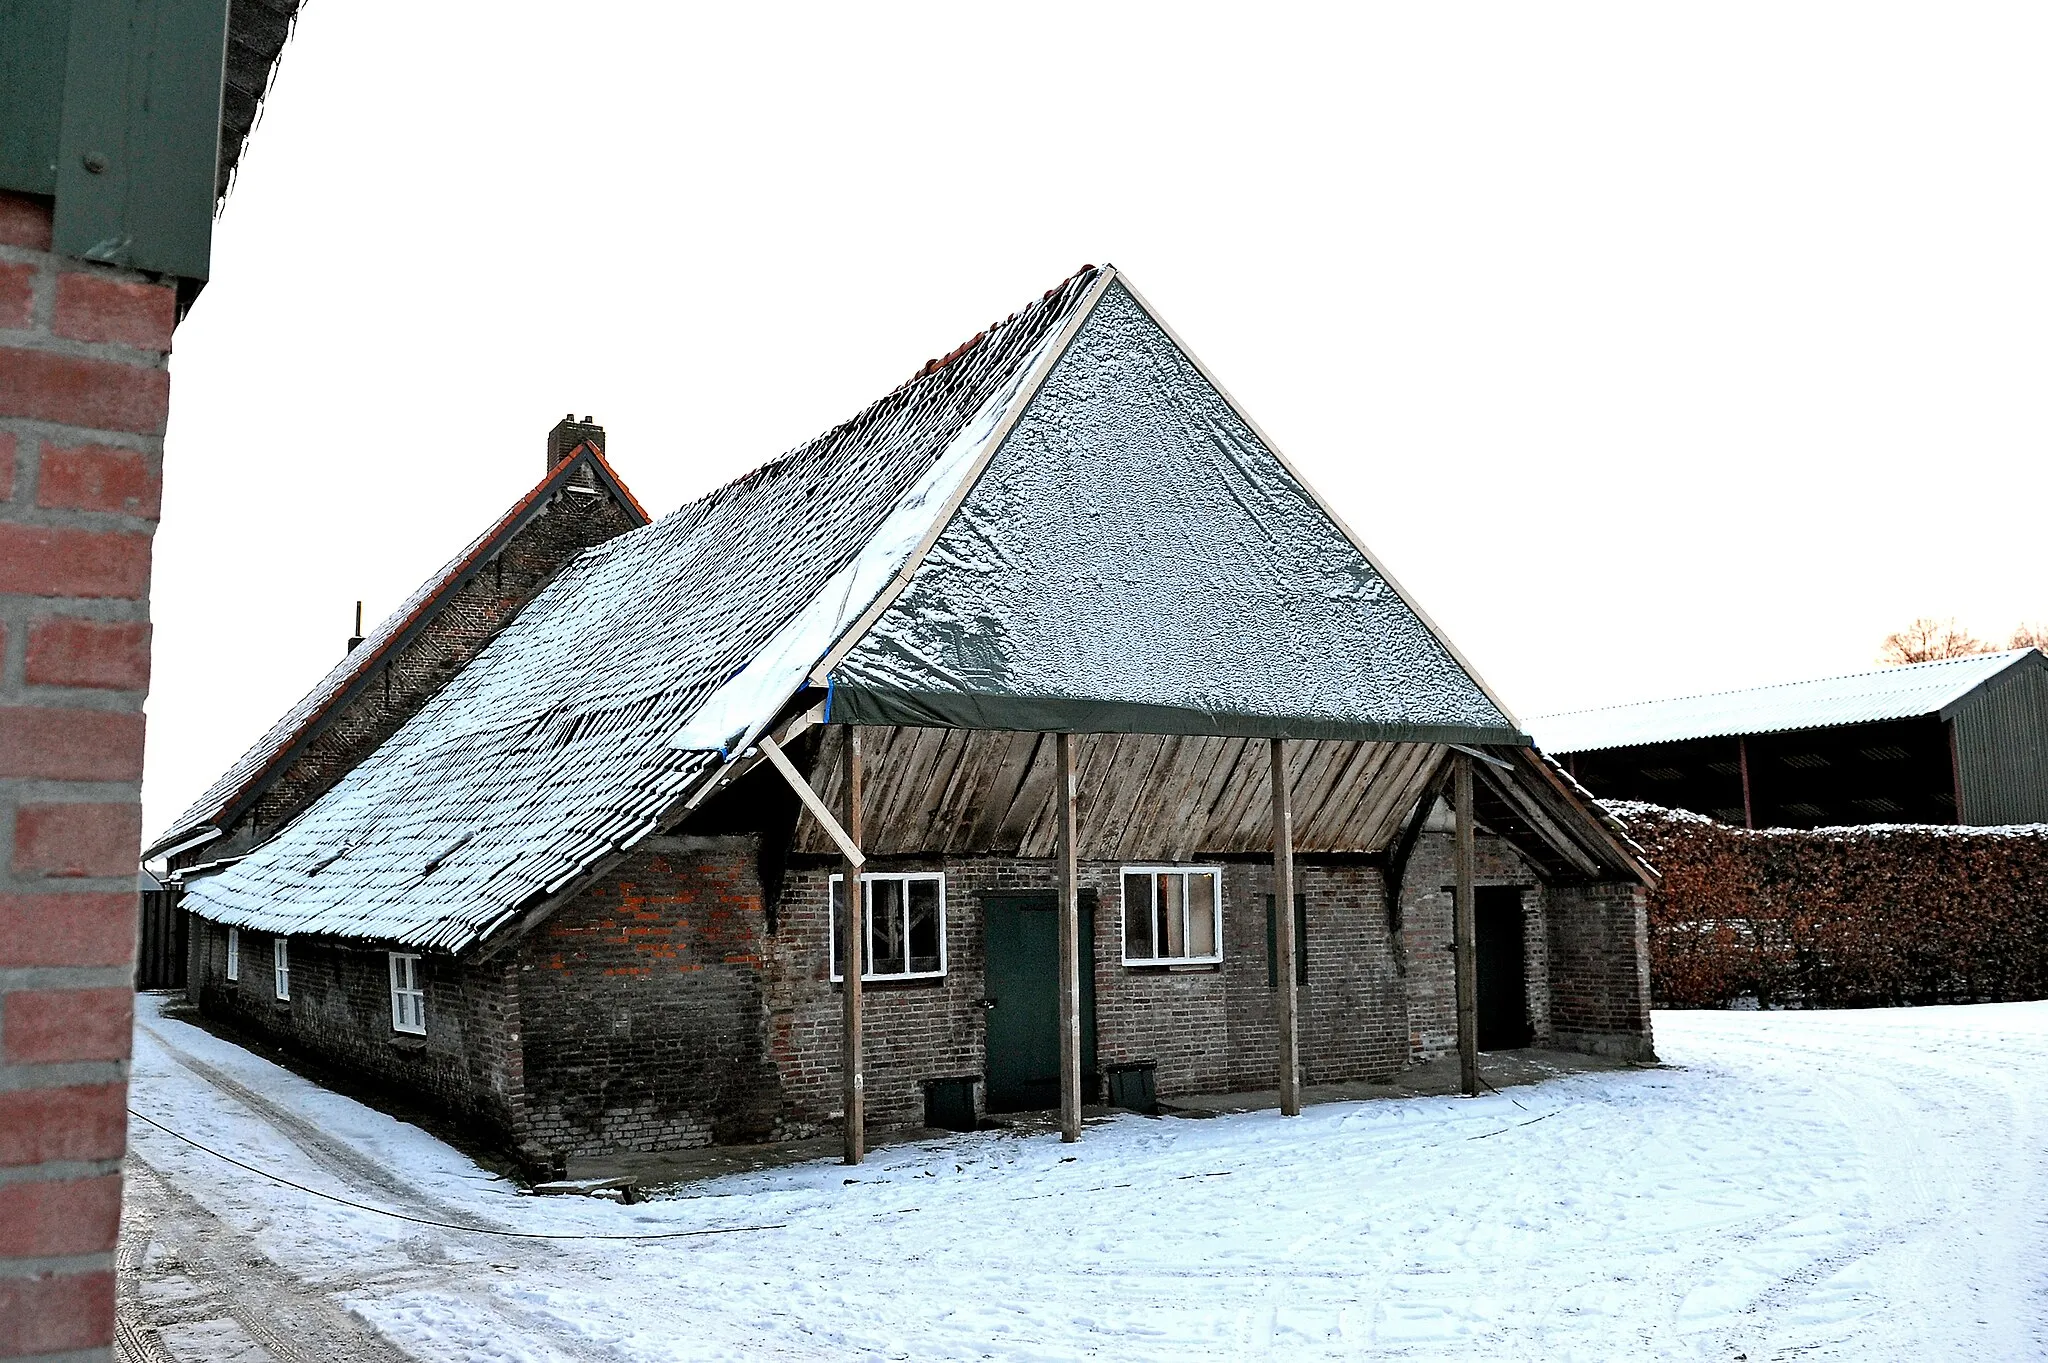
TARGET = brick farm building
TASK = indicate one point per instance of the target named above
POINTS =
(1052, 650)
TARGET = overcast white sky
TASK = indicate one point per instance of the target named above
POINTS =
(1653, 350)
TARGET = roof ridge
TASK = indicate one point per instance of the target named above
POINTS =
(341, 680)
(934, 366)
(925, 371)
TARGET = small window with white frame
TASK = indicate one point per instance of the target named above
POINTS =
(906, 919)
(234, 955)
(281, 965)
(408, 996)
(1173, 915)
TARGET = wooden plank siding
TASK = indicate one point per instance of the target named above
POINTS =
(1143, 797)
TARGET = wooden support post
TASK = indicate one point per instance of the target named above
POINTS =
(1955, 768)
(852, 1078)
(1070, 943)
(1467, 929)
(1742, 762)
(1283, 934)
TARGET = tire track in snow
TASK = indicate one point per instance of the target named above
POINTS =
(427, 1247)
(338, 1158)
(243, 1285)
(1919, 1098)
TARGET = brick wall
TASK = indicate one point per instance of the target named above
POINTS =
(1430, 977)
(1600, 969)
(1208, 1028)
(468, 1063)
(1352, 1006)
(84, 392)
(641, 1006)
(912, 1030)
(657, 1010)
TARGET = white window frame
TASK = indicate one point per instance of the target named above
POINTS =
(1152, 873)
(234, 955)
(867, 959)
(408, 995)
(281, 967)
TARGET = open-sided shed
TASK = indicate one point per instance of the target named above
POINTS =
(1955, 741)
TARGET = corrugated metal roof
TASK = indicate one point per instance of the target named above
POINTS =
(1859, 698)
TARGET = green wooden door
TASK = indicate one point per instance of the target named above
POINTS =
(1022, 1001)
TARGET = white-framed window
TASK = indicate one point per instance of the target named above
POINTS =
(906, 913)
(1173, 915)
(281, 965)
(234, 954)
(408, 997)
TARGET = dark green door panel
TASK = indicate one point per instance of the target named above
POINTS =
(1022, 993)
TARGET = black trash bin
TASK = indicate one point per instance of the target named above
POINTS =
(949, 1102)
(1134, 1086)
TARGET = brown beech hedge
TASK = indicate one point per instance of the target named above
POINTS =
(1842, 917)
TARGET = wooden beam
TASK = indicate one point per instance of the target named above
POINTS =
(1015, 829)
(852, 1077)
(1404, 847)
(1012, 767)
(1384, 798)
(1521, 801)
(1283, 932)
(1742, 761)
(1955, 767)
(1466, 940)
(847, 840)
(1067, 782)
(1570, 806)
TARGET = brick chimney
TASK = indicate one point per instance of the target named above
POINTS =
(568, 434)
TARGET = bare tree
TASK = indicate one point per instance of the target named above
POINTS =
(1927, 639)
(2030, 636)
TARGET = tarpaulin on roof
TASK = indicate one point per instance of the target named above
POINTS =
(1134, 559)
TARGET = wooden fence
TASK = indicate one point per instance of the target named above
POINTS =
(160, 962)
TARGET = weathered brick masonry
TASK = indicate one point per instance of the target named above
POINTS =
(1427, 905)
(84, 393)
(1208, 1028)
(468, 1064)
(641, 1006)
(1600, 969)
(657, 1009)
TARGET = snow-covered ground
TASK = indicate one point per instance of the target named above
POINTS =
(1867, 1185)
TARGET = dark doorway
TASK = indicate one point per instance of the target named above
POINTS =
(1023, 1003)
(1503, 969)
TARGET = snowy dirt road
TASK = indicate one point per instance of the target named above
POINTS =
(1869, 1185)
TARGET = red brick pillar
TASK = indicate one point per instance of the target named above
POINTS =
(84, 390)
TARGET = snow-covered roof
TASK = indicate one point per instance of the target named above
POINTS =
(1222, 599)
(1860, 698)
(251, 773)
(551, 749)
